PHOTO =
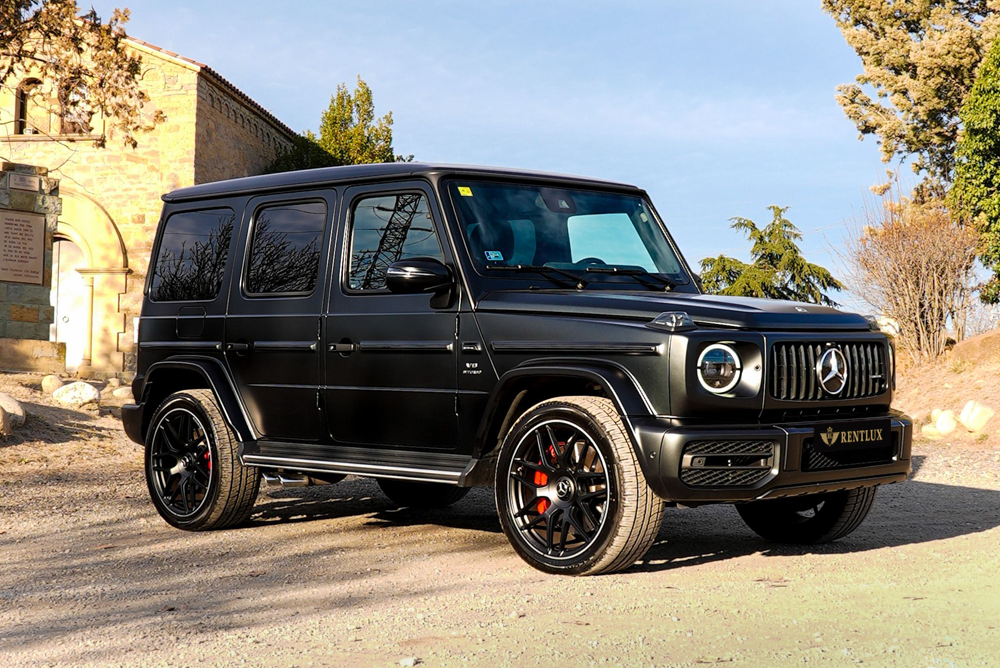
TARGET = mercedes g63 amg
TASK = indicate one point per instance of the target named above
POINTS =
(439, 327)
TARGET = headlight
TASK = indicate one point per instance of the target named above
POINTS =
(719, 368)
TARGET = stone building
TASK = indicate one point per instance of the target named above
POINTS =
(111, 195)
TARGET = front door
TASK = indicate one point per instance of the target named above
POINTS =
(272, 341)
(390, 358)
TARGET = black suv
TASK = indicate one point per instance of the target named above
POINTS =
(440, 327)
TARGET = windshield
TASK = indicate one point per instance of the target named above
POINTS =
(566, 229)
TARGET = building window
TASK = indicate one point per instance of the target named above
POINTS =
(285, 248)
(29, 116)
(388, 228)
(74, 114)
(191, 259)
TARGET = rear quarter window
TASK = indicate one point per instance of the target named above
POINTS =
(192, 254)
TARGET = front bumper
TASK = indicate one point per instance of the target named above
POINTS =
(788, 472)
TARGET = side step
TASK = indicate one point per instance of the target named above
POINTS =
(369, 462)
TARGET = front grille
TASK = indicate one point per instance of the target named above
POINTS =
(813, 460)
(725, 463)
(793, 371)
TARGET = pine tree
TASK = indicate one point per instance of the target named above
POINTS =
(777, 269)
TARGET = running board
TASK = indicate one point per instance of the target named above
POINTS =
(374, 462)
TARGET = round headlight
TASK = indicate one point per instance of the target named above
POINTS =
(719, 368)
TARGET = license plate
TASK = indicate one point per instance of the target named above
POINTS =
(842, 436)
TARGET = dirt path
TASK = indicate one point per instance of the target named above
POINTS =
(336, 575)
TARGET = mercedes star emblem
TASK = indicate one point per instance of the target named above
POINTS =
(831, 370)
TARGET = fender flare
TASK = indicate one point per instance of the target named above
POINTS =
(620, 386)
(216, 377)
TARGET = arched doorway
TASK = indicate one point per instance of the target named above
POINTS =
(91, 299)
(69, 301)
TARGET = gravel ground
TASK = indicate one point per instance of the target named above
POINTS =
(337, 575)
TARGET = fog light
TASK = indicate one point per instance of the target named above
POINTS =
(719, 368)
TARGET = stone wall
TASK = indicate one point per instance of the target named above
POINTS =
(112, 194)
(124, 186)
(233, 140)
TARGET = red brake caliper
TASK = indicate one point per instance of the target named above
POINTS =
(208, 458)
(541, 479)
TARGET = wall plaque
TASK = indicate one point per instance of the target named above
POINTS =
(22, 247)
(24, 182)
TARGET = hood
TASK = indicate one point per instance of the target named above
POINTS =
(710, 310)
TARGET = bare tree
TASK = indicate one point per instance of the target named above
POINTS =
(914, 264)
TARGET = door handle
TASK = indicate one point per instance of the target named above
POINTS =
(238, 347)
(342, 347)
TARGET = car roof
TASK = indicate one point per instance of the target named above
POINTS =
(349, 173)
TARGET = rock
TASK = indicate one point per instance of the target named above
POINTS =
(5, 428)
(946, 423)
(14, 410)
(123, 393)
(930, 432)
(974, 416)
(935, 414)
(410, 661)
(77, 394)
(51, 383)
(114, 382)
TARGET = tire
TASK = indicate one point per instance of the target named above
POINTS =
(580, 510)
(421, 494)
(193, 473)
(810, 519)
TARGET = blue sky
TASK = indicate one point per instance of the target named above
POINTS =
(718, 109)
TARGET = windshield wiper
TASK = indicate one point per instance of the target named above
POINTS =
(640, 275)
(578, 282)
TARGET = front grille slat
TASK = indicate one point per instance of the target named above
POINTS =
(793, 369)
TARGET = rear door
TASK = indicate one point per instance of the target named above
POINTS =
(273, 326)
(183, 313)
(391, 376)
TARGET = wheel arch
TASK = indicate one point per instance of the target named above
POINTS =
(188, 373)
(527, 384)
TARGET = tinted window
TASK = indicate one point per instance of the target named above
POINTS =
(191, 260)
(285, 248)
(563, 228)
(388, 228)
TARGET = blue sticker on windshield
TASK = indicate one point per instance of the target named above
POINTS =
(494, 256)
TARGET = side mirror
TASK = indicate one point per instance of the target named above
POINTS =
(420, 274)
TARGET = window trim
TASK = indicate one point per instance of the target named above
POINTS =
(155, 256)
(346, 254)
(248, 249)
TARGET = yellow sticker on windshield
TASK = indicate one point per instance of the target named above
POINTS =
(465, 191)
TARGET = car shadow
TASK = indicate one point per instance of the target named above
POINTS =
(356, 497)
(904, 514)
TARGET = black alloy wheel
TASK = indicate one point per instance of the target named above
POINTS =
(193, 471)
(558, 489)
(181, 462)
(569, 490)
